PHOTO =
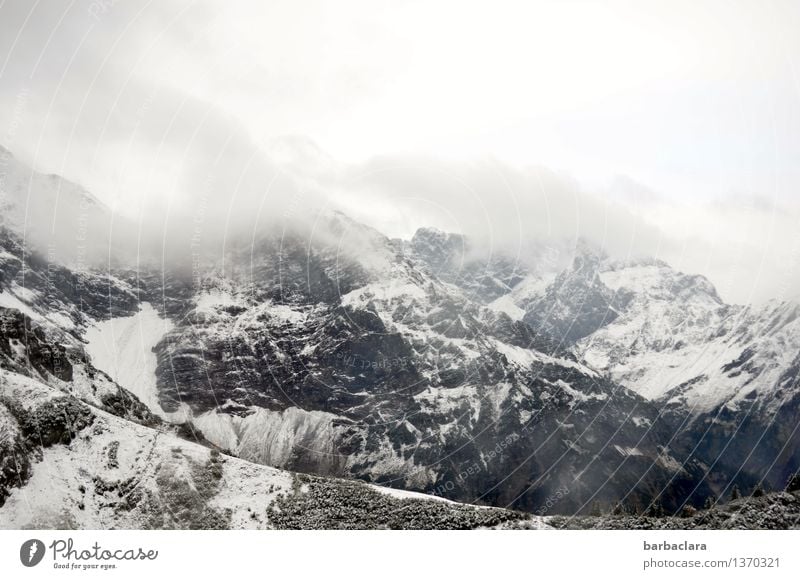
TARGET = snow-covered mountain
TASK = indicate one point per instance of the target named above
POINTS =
(60, 219)
(79, 451)
(422, 365)
(726, 374)
(346, 354)
(71, 465)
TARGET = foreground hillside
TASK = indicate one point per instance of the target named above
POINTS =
(65, 464)
(772, 511)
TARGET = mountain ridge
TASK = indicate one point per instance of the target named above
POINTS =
(334, 350)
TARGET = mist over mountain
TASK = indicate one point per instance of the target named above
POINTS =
(399, 265)
(322, 346)
(243, 194)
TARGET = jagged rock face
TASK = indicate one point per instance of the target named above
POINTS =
(724, 376)
(28, 351)
(405, 380)
(754, 440)
(44, 308)
(14, 461)
(667, 314)
(341, 352)
(727, 375)
(25, 349)
(53, 293)
(484, 277)
(577, 304)
(420, 365)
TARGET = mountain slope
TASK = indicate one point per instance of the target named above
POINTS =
(425, 365)
(723, 376)
(68, 463)
(341, 355)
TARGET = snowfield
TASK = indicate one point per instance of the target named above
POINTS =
(123, 349)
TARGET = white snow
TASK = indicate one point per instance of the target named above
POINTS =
(391, 290)
(24, 293)
(524, 293)
(403, 494)
(219, 428)
(61, 491)
(12, 301)
(675, 332)
(524, 358)
(662, 341)
(270, 437)
(19, 298)
(628, 450)
(208, 301)
(446, 400)
(123, 349)
(248, 488)
(9, 429)
(506, 305)
(61, 320)
(286, 314)
(577, 394)
(27, 391)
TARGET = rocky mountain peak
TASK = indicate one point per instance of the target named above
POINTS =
(588, 258)
(439, 249)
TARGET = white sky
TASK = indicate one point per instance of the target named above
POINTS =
(695, 100)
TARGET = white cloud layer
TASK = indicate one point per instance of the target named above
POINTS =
(430, 113)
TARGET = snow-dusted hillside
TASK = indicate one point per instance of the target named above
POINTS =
(664, 334)
(324, 359)
(422, 365)
(104, 472)
(658, 337)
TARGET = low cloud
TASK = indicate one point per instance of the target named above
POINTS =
(171, 114)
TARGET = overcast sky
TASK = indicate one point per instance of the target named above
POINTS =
(670, 128)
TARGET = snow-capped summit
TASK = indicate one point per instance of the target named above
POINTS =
(328, 348)
(577, 302)
(676, 336)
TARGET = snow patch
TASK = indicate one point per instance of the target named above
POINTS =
(123, 349)
(505, 304)
(403, 494)
(208, 301)
(273, 438)
(628, 450)
(387, 292)
(12, 301)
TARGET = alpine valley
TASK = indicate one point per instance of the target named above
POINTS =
(330, 377)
